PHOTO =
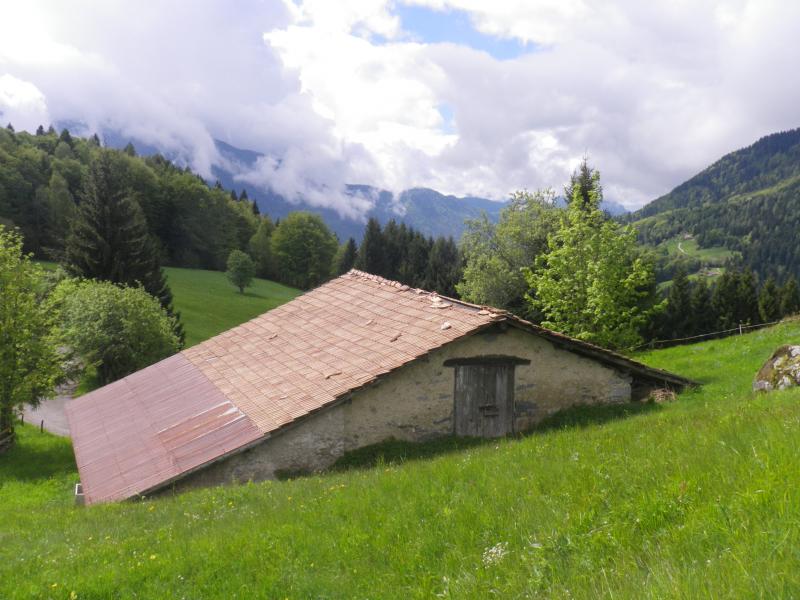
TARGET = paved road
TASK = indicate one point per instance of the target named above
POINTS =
(52, 412)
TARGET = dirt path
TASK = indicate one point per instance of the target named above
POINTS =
(52, 412)
(680, 247)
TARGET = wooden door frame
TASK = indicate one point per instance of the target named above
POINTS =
(486, 360)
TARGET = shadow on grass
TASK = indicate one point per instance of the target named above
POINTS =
(36, 456)
(252, 295)
(398, 451)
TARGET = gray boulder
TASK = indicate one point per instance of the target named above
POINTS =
(781, 371)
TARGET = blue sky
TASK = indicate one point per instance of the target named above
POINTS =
(455, 26)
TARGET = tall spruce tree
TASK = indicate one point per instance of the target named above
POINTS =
(345, 257)
(371, 252)
(747, 304)
(444, 267)
(790, 297)
(109, 240)
(677, 317)
(769, 301)
(724, 300)
(703, 319)
(66, 138)
(584, 186)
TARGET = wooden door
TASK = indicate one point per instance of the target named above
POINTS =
(484, 400)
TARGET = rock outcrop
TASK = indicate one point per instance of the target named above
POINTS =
(781, 371)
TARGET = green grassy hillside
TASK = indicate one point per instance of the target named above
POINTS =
(705, 263)
(693, 499)
(209, 304)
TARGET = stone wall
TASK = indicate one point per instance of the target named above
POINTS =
(415, 403)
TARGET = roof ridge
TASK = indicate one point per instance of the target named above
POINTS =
(497, 312)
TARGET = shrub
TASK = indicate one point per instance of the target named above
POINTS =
(117, 330)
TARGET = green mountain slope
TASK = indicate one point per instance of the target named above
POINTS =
(691, 499)
(747, 202)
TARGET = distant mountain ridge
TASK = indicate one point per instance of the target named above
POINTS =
(426, 210)
(747, 201)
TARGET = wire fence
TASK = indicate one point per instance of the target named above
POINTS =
(740, 329)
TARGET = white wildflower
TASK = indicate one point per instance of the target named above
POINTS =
(493, 555)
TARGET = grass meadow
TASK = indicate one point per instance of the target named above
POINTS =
(697, 498)
(714, 256)
(210, 304)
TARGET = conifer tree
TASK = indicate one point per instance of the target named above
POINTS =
(747, 304)
(769, 301)
(723, 300)
(234, 197)
(703, 319)
(109, 240)
(66, 137)
(243, 195)
(255, 208)
(444, 267)
(371, 252)
(345, 257)
(790, 297)
(678, 312)
(10, 127)
(40, 130)
(584, 186)
(393, 246)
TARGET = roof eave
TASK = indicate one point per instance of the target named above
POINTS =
(602, 354)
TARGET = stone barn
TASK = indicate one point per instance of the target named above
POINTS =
(356, 361)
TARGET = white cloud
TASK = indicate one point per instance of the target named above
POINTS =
(338, 92)
(21, 102)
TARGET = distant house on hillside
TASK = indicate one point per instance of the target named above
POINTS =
(356, 361)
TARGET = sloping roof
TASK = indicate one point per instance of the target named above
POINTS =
(224, 394)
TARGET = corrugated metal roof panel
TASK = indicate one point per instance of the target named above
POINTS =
(150, 427)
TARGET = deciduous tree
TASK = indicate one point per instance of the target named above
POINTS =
(303, 249)
(241, 269)
(29, 361)
(117, 330)
(593, 283)
(495, 255)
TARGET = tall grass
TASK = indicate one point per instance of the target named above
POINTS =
(693, 499)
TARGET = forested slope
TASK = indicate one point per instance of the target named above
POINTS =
(41, 182)
(748, 201)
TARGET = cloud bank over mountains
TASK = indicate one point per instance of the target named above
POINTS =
(362, 91)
